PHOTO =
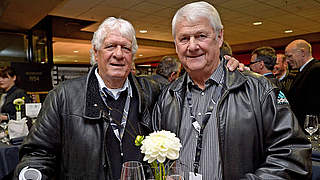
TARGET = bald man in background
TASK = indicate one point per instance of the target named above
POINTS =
(304, 92)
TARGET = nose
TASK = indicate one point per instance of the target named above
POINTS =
(193, 44)
(118, 54)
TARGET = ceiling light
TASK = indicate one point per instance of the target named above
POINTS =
(143, 31)
(257, 23)
(76, 51)
(288, 31)
(75, 60)
(140, 55)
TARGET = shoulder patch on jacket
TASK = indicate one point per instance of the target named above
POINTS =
(281, 99)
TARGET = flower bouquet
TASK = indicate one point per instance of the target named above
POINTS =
(158, 146)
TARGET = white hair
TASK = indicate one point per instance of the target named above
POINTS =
(111, 24)
(193, 11)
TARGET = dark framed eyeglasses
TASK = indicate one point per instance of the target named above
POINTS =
(252, 63)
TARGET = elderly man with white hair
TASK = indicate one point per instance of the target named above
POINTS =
(232, 125)
(87, 126)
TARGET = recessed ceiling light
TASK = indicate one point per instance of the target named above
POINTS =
(257, 23)
(75, 61)
(76, 51)
(140, 55)
(143, 31)
(288, 31)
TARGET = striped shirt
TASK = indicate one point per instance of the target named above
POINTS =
(210, 161)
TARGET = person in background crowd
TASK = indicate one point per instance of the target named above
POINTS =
(232, 125)
(225, 49)
(281, 71)
(167, 71)
(133, 68)
(10, 93)
(262, 62)
(303, 95)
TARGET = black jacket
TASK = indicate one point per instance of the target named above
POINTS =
(304, 93)
(68, 139)
(259, 136)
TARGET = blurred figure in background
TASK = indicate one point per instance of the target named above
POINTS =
(303, 95)
(281, 71)
(262, 62)
(225, 49)
(133, 68)
(167, 71)
(10, 93)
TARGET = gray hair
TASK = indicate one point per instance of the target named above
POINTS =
(111, 24)
(193, 11)
(167, 66)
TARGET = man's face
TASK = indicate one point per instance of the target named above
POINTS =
(114, 57)
(7, 82)
(281, 66)
(196, 46)
(254, 64)
(294, 56)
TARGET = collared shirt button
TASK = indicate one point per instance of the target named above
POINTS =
(199, 114)
(202, 93)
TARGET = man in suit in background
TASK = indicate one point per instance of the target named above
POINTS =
(282, 73)
(304, 93)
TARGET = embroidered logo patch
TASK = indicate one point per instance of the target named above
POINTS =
(282, 98)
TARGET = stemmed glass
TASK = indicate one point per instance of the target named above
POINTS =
(132, 170)
(311, 124)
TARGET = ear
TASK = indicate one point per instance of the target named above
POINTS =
(14, 78)
(220, 38)
(95, 53)
(261, 64)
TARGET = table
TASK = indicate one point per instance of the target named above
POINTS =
(9, 158)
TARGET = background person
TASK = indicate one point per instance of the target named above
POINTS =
(282, 73)
(10, 93)
(303, 95)
(167, 71)
(232, 125)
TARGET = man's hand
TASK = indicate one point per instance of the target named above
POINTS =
(232, 64)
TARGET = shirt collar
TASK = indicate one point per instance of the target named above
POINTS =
(114, 93)
(216, 76)
(301, 68)
(265, 74)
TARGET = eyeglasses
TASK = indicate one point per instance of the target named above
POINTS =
(252, 63)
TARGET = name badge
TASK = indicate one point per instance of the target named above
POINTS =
(196, 126)
(195, 176)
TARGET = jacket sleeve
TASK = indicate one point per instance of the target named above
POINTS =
(287, 151)
(40, 148)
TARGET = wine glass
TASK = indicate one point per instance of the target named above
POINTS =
(311, 124)
(174, 171)
(132, 170)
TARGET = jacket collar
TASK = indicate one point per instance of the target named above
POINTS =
(94, 105)
(232, 80)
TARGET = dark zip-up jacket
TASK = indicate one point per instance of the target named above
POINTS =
(259, 136)
(68, 139)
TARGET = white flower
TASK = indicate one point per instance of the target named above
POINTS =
(160, 145)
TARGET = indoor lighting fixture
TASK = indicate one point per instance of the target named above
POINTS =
(288, 31)
(140, 55)
(143, 31)
(257, 23)
(76, 51)
(75, 60)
